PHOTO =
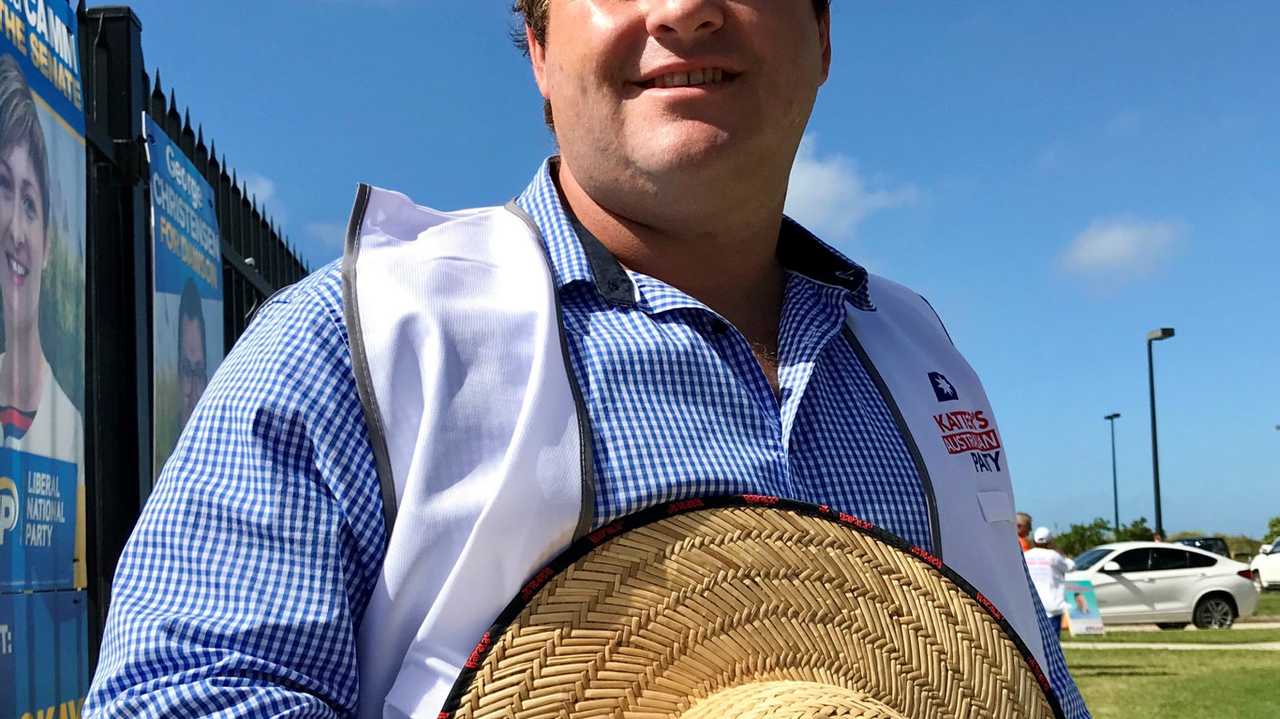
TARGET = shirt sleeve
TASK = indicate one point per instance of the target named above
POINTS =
(253, 561)
(1064, 687)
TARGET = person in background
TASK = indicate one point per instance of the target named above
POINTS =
(1024, 530)
(1048, 570)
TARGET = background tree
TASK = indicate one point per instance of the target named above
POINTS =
(1135, 531)
(1273, 529)
(1080, 537)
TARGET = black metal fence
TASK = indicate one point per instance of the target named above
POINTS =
(256, 260)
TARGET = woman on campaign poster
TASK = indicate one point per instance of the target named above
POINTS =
(36, 414)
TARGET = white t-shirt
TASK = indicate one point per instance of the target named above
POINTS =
(1048, 571)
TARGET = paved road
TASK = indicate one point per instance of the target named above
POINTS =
(1256, 625)
(1255, 647)
(1241, 625)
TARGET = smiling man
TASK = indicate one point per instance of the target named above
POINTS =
(400, 441)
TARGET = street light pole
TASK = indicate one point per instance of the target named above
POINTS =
(1163, 333)
(1115, 485)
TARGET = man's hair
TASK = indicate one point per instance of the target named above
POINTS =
(189, 308)
(19, 125)
(535, 14)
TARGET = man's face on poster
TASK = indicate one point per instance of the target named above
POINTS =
(192, 371)
(22, 236)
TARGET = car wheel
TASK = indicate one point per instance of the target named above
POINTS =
(1170, 626)
(1214, 612)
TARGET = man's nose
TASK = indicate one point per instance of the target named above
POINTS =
(684, 19)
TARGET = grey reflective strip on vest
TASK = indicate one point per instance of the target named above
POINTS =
(360, 360)
(586, 516)
(909, 439)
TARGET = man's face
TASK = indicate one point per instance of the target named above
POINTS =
(23, 242)
(649, 87)
(1024, 526)
(192, 373)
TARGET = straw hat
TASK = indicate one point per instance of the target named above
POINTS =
(748, 607)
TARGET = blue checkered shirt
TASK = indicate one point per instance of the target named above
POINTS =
(250, 569)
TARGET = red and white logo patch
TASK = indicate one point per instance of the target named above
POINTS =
(972, 433)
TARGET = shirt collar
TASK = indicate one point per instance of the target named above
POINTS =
(578, 256)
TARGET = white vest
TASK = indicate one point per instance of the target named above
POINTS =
(483, 447)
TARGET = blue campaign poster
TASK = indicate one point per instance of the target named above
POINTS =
(42, 291)
(42, 34)
(187, 303)
(43, 619)
(38, 510)
(44, 654)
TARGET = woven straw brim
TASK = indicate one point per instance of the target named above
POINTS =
(748, 611)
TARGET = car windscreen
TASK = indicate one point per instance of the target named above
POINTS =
(1090, 558)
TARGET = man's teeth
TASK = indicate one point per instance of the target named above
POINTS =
(16, 268)
(693, 78)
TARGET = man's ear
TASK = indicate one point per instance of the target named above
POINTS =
(537, 59)
(824, 36)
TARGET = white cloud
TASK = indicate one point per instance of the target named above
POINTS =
(323, 241)
(830, 196)
(264, 190)
(1123, 248)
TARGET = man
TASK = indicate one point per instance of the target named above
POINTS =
(1048, 570)
(398, 443)
(192, 366)
(1024, 530)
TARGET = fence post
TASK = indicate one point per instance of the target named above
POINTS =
(118, 296)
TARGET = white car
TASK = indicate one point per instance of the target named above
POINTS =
(1266, 566)
(1167, 584)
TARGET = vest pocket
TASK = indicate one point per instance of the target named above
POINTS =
(996, 506)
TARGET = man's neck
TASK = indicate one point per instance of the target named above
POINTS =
(724, 256)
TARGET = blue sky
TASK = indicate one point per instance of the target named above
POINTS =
(1057, 178)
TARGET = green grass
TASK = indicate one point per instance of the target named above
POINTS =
(1228, 636)
(1268, 606)
(1138, 684)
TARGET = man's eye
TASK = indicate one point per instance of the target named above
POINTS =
(29, 206)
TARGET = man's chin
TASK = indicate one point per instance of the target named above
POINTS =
(691, 151)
